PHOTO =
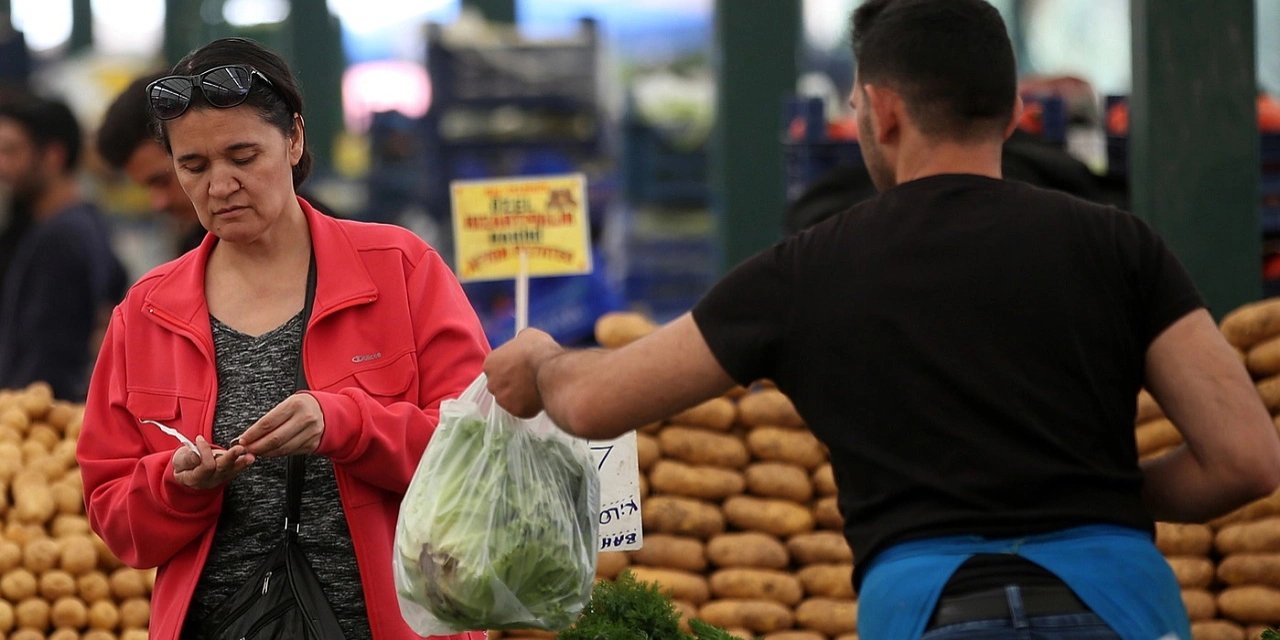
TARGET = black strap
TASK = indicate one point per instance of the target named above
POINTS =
(296, 469)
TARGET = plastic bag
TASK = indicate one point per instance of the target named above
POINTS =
(499, 526)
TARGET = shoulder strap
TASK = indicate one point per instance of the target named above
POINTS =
(295, 469)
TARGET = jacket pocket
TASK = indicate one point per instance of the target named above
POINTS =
(390, 380)
(164, 408)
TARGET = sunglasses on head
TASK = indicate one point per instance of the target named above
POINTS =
(223, 87)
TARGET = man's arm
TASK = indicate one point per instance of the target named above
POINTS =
(1232, 452)
(603, 394)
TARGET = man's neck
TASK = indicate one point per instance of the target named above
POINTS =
(920, 158)
(61, 193)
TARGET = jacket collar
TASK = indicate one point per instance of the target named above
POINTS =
(341, 276)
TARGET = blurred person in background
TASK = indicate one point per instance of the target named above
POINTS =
(60, 274)
(211, 344)
(970, 348)
(126, 141)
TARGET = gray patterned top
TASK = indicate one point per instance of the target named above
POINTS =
(254, 375)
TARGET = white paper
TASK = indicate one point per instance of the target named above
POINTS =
(620, 528)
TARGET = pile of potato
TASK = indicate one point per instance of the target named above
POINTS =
(58, 581)
(1229, 569)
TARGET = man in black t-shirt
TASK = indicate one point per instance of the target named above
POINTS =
(970, 350)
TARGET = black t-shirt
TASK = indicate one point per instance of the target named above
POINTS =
(969, 349)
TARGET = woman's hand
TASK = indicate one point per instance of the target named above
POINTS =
(209, 469)
(292, 427)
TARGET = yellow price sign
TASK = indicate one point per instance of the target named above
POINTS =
(544, 217)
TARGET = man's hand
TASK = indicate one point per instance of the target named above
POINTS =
(512, 370)
(294, 426)
(209, 469)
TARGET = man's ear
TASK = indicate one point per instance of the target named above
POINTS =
(886, 112)
(1018, 107)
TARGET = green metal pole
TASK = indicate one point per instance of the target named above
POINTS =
(318, 60)
(81, 26)
(183, 29)
(1193, 140)
(500, 11)
(756, 70)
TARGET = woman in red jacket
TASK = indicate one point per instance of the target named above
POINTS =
(211, 345)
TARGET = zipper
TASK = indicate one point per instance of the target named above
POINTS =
(267, 618)
(266, 582)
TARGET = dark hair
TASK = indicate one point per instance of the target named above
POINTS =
(950, 59)
(48, 122)
(128, 122)
(276, 104)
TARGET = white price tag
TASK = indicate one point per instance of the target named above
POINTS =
(619, 470)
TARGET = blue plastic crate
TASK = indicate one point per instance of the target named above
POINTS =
(657, 173)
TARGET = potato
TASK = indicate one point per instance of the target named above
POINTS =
(63, 634)
(681, 516)
(608, 563)
(1250, 604)
(1259, 536)
(768, 407)
(619, 328)
(56, 584)
(1256, 510)
(1200, 604)
(60, 415)
(1155, 435)
(675, 584)
(1252, 323)
(647, 451)
(45, 435)
(67, 498)
(1193, 572)
(18, 585)
(21, 532)
(740, 634)
(1250, 569)
(700, 446)
(824, 480)
(49, 466)
(32, 500)
(127, 583)
(10, 435)
(779, 480)
(27, 634)
(778, 518)
(79, 555)
(32, 450)
(132, 634)
(826, 513)
(103, 614)
(72, 431)
(10, 556)
(672, 552)
(135, 613)
(32, 613)
(794, 635)
(7, 619)
(36, 399)
(69, 612)
(759, 616)
(40, 555)
(93, 587)
(106, 557)
(750, 549)
(828, 615)
(793, 446)
(16, 419)
(68, 525)
(828, 580)
(1183, 539)
(642, 487)
(98, 634)
(694, 481)
(717, 413)
(1269, 391)
(819, 547)
(757, 584)
(1148, 409)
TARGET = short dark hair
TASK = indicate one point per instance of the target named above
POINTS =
(950, 59)
(128, 122)
(276, 104)
(47, 121)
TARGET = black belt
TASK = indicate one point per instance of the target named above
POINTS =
(993, 604)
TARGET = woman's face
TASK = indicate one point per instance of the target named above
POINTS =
(236, 168)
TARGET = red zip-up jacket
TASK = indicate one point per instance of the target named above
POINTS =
(391, 335)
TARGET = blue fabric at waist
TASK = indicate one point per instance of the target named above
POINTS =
(1116, 571)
